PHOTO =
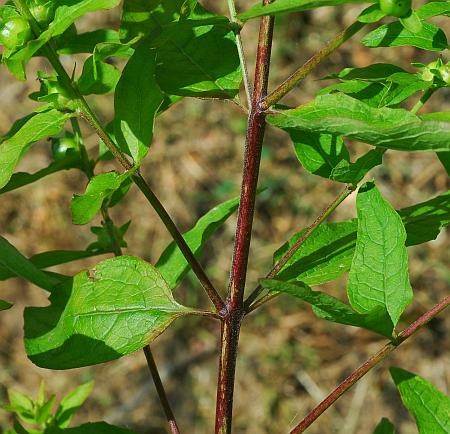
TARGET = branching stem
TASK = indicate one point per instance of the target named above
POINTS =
(369, 364)
(249, 303)
(315, 60)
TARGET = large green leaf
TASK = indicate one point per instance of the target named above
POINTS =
(172, 264)
(379, 272)
(90, 428)
(430, 407)
(339, 114)
(18, 265)
(432, 9)
(430, 37)
(328, 252)
(97, 77)
(85, 207)
(136, 102)
(35, 128)
(198, 60)
(332, 309)
(287, 6)
(118, 307)
(384, 427)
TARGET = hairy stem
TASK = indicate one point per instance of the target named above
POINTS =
(86, 112)
(249, 305)
(252, 157)
(240, 48)
(304, 70)
(369, 364)
(160, 390)
(425, 97)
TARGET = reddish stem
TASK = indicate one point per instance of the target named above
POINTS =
(368, 365)
(234, 304)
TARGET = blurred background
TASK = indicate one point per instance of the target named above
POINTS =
(289, 360)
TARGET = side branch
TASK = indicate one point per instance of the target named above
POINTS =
(249, 303)
(369, 364)
(304, 70)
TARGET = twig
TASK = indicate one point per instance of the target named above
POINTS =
(249, 304)
(304, 70)
(235, 300)
(160, 390)
(369, 364)
(240, 48)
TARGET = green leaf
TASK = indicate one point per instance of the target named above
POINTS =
(319, 153)
(379, 273)
(14, 147)
(332, 309)
(67, 14)
(21, 179)
(172, 264)
(4, 305)
(430, 37)
(54, 257)
(372, 14)
(430, 407)
(384, 427)
(328, 252)
(71, 403)
(115, 309)
(97, 77)
(287, 6)
(206, 55)
(433, 9)
(86, 42)
(424, 221)
(353, 173)
(105, 240)
(100, 187)
(339, 114)
(15, 262)
(136, 102)
(90, 428)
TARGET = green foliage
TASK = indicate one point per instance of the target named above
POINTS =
(117, 308)
(332, 309)
(23, 134)
(379, 272)
(136, 104)
(430, 407)
(339, 114)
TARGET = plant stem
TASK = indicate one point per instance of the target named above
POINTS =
(240, 48)
(86, 112)
(315, 60)
(369, 364)
(249, 305)
(425, 97)
(252, 157)
(160, 390)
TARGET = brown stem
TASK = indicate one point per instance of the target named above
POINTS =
(288, 255)
(369, 364)
(160, 390)
(304, 70)
(232, 321)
